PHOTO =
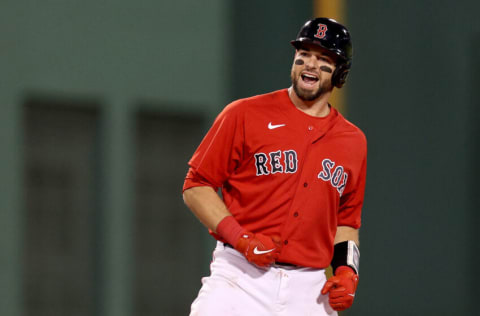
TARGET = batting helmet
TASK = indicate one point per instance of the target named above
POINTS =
(330, 35)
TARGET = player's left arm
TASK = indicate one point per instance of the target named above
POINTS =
(342, 285)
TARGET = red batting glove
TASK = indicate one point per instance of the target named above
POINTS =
(341, 288)
(259, 249)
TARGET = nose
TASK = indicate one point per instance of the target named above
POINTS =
(311, 63)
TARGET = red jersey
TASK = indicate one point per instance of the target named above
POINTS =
(283, 171)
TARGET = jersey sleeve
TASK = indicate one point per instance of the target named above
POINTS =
(221, 150)
(351, 201)
(193, 179)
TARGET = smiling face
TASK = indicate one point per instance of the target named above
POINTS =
(312, 71)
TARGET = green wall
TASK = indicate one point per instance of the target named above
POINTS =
(117, 48)
(414, 91)
(168, 56)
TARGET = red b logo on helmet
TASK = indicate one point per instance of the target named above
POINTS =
(321, 31)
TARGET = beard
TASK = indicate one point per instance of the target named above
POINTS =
(307, 95)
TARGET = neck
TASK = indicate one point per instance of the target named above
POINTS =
(318, 107)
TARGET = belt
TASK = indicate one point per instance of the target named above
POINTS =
(276, 262)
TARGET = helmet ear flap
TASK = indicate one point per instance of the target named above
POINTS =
(340, 75)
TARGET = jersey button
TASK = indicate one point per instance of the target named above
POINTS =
(285, 242)
(305, 184)
(310, 128)
(295, 214)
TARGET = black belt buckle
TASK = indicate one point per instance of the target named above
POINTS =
(286, 264)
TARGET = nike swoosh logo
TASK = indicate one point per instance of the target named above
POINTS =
(270, 126)
(261, 252)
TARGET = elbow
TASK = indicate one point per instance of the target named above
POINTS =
(192, 195)
(196, 195)
(187, 196)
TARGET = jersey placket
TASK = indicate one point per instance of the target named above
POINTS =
(300, 197)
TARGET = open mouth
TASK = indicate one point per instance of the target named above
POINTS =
(309, 79)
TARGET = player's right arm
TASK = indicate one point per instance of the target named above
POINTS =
(217, 157)
(207, 206)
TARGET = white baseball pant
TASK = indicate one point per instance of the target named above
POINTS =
(236, 287)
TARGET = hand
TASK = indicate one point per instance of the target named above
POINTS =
(259, 249)
(341, 288)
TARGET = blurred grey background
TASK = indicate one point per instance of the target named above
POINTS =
(102, 104)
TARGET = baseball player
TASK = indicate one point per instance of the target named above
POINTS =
(292, 173)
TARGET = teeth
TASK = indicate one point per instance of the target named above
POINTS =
(309, 77)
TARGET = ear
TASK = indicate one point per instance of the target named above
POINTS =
(340, 75)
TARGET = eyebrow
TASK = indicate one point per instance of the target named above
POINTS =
(321, 53)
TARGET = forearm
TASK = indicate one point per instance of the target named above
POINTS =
(345, 233)
(207, 206)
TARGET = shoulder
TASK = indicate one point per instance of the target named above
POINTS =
(257, 101)
(354, 133)
(349, 126)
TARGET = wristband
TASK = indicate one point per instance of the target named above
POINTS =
(230, 230)
(346, 253)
